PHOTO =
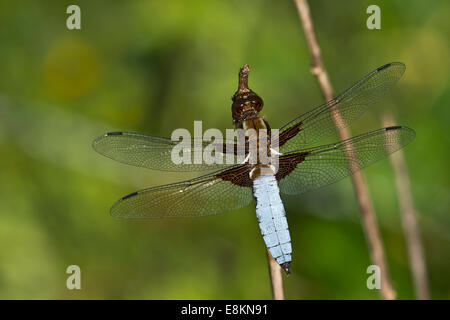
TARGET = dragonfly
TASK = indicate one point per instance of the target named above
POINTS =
(301, 167)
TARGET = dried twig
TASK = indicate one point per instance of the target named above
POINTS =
(409, 221)
(365, 206)
(276, 279)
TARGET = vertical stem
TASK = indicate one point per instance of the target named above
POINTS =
(409, 221)
(276, 279)
(368, 219)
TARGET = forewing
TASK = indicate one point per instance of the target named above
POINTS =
(311, 169)
(351, 104)
(155, 152)
(215, 193)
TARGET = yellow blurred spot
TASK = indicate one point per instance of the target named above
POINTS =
(426, 58)
(71, 68)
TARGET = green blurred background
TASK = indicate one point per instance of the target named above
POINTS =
(154, 66)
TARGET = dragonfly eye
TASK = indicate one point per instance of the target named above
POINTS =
(257, 102)
(243, 103)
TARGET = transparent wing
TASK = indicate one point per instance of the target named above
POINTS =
(351, 104)
(214, 193)
(311, 169)
(155, 152)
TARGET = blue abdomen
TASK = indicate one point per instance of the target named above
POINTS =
(272, 219)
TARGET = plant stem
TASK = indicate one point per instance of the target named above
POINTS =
(409, 220)
(276, 279)
(368, 219)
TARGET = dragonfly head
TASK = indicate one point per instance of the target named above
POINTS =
(246, 104)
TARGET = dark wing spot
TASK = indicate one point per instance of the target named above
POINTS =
(384, 67)
(116, 133)
(288, 163)
(130, 195)
(393, 128)
(239, 176)
(289, 133)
